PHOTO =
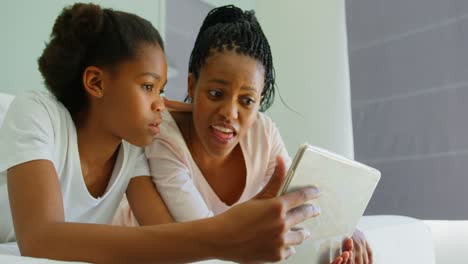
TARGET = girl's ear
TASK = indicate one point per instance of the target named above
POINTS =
(191, 85)
(92, 81)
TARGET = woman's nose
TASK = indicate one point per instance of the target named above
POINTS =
(230, 110)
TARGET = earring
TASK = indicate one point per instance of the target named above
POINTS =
(100, 93)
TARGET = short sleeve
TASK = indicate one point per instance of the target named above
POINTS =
(277, 149)
(141, 167)
(27, 132)
(173, 180)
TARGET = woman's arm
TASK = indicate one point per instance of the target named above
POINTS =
(174, 182)
(41, 229)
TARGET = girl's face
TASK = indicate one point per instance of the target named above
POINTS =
(226, 99)
(131, 104)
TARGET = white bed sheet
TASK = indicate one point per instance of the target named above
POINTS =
(10, 259)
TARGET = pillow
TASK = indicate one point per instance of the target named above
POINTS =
(5, 100)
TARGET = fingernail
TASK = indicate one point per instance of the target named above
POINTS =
(313, 191)
(307, 234)
(316, 210)
(293, 251)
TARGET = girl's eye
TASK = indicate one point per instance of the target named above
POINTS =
(215, 93)
(147, 87)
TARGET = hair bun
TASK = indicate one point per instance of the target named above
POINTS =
(79, 22)
(226, 14)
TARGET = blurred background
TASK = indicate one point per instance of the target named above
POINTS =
(384, 82)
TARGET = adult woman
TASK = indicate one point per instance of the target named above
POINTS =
(224, 151)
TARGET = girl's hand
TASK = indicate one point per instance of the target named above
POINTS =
(260, 229)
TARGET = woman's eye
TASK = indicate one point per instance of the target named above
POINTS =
(147, 87)
(248, 101)
(215, 93)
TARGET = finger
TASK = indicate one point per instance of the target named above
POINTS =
(365, 258)
(359, 251)
(348, 244)
(299, 197)
(345, 256)
(294, 238)
(338, 260)
(301, 213)
(273, 186)
(358, 258)
(351, 257)
(369, 254)
(177, 106)
(288, 252)
(357, 246)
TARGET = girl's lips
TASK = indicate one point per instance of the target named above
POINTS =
(154, 128)
(222, 137)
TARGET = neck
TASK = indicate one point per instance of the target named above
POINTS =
(96, 145)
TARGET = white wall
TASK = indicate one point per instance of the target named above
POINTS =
(25, 27)
(244, 4)
(309, 45)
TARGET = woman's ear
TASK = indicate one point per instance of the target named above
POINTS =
(92, 81)
(191, 81)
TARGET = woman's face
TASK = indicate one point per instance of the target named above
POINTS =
(131, 101)
(226, 99)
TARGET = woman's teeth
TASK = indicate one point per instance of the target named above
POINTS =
(223, 129)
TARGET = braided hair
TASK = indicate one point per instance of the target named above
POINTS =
(85, 35)
(230, 28)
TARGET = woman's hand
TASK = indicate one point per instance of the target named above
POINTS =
(260, 229)
(344, 258)
(176, 106)
(362, 253)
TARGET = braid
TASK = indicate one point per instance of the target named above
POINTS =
(229, 28)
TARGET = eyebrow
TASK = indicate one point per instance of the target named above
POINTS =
(224, 82)
(249, 88)
(154, 75)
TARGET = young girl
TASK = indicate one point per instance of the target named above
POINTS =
(223, 153)
(67, 157)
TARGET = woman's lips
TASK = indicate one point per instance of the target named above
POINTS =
(222, 135)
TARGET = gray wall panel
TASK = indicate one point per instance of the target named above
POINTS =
(434, 59)
(409, 86)
(374, 21)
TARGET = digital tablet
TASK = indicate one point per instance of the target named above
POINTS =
(345, 185)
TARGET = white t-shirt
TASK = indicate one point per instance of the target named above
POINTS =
(183, 187)
(37, 126)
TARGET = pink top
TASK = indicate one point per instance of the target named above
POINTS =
(183, 187)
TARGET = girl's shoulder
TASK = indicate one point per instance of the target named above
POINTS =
(39, 104)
